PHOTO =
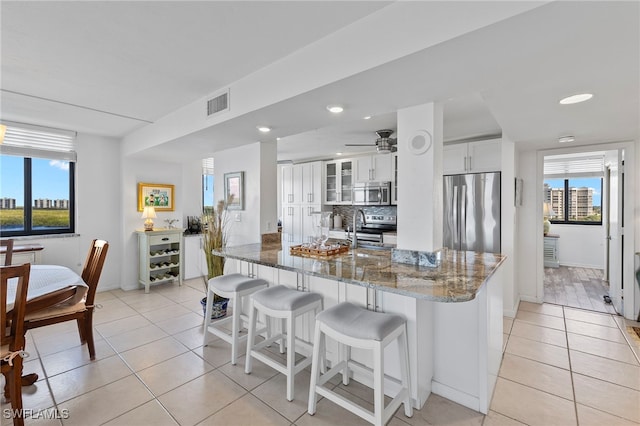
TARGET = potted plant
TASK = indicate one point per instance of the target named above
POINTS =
(214, 237)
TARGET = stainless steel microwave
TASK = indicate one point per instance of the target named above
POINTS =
(372, 193)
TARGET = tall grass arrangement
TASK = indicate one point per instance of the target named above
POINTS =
(215, 236)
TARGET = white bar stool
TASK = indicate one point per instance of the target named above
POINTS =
(286, 304)
(353, 326)
(235, 287)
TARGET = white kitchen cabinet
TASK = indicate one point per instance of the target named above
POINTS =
(195, 263)
(298, 222)
(472, 157)
(301, 195)
(160, 254)
(338, 181)
(374, 168)
(302, 183)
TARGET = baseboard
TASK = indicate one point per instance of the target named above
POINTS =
(578, 265)
(512, 311)
(455, 395)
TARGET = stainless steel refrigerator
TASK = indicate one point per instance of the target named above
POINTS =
(472, 212)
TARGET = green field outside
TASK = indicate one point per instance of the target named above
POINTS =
(50, 218)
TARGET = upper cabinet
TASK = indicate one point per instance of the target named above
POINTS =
(338, 181)
(302, 183)
(472, 157)
(374, 168)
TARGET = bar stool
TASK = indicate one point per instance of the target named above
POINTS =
(353, 326)
(286, 304)
(236, 287)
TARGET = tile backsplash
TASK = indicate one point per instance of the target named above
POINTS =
(347, 212)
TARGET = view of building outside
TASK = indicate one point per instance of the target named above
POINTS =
(583, 196)
(50, 194)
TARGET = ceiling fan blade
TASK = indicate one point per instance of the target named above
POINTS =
(359, 144)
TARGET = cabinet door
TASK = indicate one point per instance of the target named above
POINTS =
(291, 222)
(484, 156)
(331, 182)
(312, 182)
(310, 221)
(382, 168)
(454, 159)
(287, 184)
(195, 263)
(364, 169)
(346, 181)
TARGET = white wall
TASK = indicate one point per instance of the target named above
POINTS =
(260, 189)
(508, 238)
(580, 245)
(97, 211)
(133, 171)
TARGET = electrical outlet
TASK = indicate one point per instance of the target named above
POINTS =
(238, 217)
(268, 226)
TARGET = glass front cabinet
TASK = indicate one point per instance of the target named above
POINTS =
(338, 182)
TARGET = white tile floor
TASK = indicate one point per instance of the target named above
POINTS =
(561, 366)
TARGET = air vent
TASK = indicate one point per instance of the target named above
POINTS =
(218, 104)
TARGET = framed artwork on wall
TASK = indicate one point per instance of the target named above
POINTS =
(159, 195)
(234, 190)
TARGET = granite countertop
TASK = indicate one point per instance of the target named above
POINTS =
(459, 277)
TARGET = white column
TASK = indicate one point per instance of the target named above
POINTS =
(420, 177)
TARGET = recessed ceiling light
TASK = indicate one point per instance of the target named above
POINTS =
(278, 139)
(576, 98)
(338, 153)
(368, 117)
(264, 129)
(336, 109)
(566, 139)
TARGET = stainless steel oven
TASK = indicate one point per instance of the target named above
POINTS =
(372, 193)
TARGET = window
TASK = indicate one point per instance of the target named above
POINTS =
(37, 181)
(575, 200)
(208, 201)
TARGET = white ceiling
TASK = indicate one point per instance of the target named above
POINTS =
(112, 68)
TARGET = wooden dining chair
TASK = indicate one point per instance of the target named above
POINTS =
(12, 326)
(8, 255)
(82, 312)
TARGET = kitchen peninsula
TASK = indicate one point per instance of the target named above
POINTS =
(453, 311)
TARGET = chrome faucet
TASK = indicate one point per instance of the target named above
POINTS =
(354, 240)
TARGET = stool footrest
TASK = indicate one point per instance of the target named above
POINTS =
(281, 368)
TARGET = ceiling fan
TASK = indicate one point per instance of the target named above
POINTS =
(384, 143)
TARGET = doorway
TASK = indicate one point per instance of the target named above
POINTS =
(582, 195)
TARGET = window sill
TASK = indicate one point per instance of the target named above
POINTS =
(42, 237)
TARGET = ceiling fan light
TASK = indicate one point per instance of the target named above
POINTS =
(335, 109)
(574, 99)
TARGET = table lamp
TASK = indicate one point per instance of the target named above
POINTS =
(148, 213)
(547, 212)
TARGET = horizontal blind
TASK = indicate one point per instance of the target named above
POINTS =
(586, 166)
(207, 166)
(27, 140)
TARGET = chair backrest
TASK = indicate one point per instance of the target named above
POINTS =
(14, 335)
(8, 256)
(93, 267)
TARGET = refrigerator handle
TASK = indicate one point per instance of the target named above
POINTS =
(454, 208)
(463, 217)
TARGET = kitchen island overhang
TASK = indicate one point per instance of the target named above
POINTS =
(453, 311)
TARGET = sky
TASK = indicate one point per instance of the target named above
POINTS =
(593, 182)
(50, 179)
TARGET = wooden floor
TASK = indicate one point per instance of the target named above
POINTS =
(577, 287)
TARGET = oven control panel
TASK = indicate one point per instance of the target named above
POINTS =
(380, 219)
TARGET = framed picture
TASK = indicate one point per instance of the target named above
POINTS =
(234, 189)
(159, 195)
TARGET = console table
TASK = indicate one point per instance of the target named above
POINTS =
(161, 256)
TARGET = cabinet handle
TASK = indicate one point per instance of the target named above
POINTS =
(165, 239)
(470, 168)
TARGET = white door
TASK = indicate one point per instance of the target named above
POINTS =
(613, 225)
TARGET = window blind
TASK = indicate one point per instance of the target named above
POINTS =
(590, 165)
(207, 166)
(26, 140)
